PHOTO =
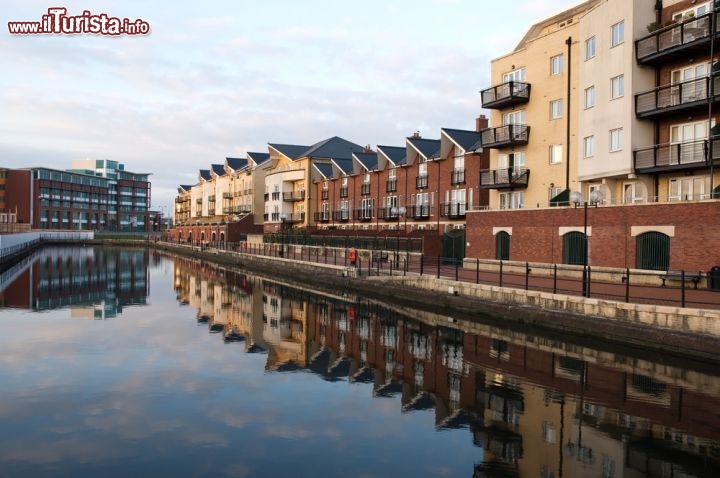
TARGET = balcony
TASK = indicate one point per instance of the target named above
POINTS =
(457, 177)
(510, 135)
(422, 211)
(324, 195)
(365, 189)
(421, 182)
(677, 41)
(266, 197)
(507, 94)
(294, 196)
(344, 192)
(453, 210)
(391, 185)
(686, 97)
(675, 157)
(322, 216)
(227, 196)
(276, 196)
(343, 215)
(363, 214)
(296, 217)
(504, 178)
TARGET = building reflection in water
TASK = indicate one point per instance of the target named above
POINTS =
(534, 406)
(93, 283)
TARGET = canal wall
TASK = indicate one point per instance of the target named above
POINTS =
(685, 332)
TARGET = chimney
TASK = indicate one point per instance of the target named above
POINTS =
(416, 135)
(367, 149)
(481, 122)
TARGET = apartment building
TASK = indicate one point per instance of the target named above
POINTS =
(677, 160)
(108, 198)
(428, 184)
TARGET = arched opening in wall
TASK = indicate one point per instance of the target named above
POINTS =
(502, 246)
(202, 236)
(574, 248)
(212, 237)
(222, 237)
(189, 237)
(652, 251)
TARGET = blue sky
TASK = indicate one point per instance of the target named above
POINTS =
(216, 79)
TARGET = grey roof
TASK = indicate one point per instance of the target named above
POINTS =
(325, 169)
(368, 160)
(344, 164)
(218, 169)
(466, 139)
(334, 147)
(184, 188)
(430, 148)
(236, 163)
(259, 158)
(477, 147)
(396, 154)
(205, 174)
(292, 151)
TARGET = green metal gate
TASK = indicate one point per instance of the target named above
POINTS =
(454, 246)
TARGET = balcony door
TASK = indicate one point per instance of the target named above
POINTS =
(510, 166)
(689, 188)
(687, 142)
(694, 85)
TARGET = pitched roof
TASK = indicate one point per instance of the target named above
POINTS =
(396, 154)
(368, 160)
(325, 169)
(345, 165)
(292, 151)
(205, 174)
(430, 148)
(183, 188)
(236, 163)
(259, 158)
(335, 148)
(464, 138)
(218, 169)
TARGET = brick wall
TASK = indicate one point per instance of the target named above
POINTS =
(535, 233)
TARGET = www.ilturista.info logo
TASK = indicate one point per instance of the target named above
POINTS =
(57, 21)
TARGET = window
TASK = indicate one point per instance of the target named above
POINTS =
(515, 117)
(515, 75)
(556, 65)
(556, 109)
(555, 153)
(589, 147)
(590, 48)
(617, 87)
(512, 200)
(589, 97)
(617, 34)
(616, 139)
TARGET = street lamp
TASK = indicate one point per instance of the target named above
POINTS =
(283, 218)
(576, 197)
(398, 212)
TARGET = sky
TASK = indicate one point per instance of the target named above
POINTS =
(217, 79)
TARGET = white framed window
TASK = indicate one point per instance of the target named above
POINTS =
(588, 146)
(616, 139)
(515, 117)
(459, 162)
(344, 181)
(589, 97)
(512, 200)
(590, 48)
(555, 153)
(688, 188)
(617, 34)
(554, 191)
(617, 87)
(515, 75)
(556, 64)
(366, 178)
(556, 109)
(512, 161)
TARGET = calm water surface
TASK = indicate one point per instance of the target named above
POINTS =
(121, 362)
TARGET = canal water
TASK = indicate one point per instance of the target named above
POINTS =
(131, 363)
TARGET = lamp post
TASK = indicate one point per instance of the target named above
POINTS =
(577, 198)
(283, 218)
(398, 212)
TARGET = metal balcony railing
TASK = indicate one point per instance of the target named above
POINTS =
(391, 185)
(506, 94)
(688, 96)
(421, 182)
(505, 136)
(672, 157)
(457, 177)
(504, 178)
(678, 40)
(453, 209)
